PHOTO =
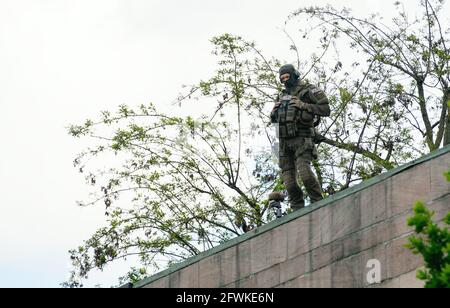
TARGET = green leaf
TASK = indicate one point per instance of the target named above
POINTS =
(345, 95)
(447, 176)
(422, 275)
(433, 243)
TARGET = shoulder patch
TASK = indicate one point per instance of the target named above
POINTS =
(317, 95)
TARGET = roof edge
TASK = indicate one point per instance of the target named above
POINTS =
(281, 221)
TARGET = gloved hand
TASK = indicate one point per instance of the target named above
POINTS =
(296, 102)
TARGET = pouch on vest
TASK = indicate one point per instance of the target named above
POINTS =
(291, 114)
(282, 113)
(291, 130)
(282, 131)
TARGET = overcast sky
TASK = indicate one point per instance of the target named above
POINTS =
(62, 61)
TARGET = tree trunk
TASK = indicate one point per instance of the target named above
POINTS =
(425, 117)
(447, 125)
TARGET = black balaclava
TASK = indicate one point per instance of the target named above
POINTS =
(289, 69)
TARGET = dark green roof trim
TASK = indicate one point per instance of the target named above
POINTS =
(278, 222)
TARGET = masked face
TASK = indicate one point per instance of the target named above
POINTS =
(288, 75)
(284, 78)
(288, 80)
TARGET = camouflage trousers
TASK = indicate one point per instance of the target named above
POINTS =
(295, 159)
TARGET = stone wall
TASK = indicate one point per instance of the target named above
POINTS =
(330, 243)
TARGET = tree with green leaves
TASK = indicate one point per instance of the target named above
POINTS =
(433, 243)
(189, 182)
(398, 90)
(175, 186)
(414, 56)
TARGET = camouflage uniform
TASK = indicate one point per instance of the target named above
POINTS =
(296, 134)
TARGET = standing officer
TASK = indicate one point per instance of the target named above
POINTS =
(298, 107)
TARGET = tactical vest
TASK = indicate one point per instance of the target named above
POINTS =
(292, 121)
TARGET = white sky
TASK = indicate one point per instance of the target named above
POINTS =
(63, 61)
